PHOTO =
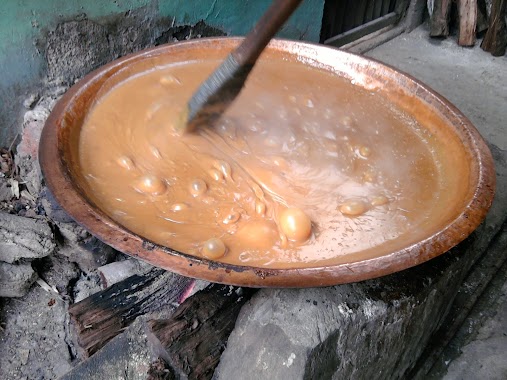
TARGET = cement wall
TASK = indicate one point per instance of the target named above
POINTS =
(25, 25)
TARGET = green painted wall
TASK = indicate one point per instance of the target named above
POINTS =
(237, 17)
(24, 22)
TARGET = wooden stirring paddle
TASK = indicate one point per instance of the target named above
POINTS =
(219, 90)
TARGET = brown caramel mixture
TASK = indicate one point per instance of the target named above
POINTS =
(304, 167)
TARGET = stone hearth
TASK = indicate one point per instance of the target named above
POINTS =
(391, 327)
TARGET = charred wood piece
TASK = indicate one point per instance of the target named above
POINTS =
(100, 317)
(196, 334)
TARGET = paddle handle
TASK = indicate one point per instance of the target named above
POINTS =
(271, 21)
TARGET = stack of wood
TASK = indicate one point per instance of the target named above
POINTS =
(472, 19)
(185, 345)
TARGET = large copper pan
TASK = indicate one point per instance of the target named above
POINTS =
(468, 162)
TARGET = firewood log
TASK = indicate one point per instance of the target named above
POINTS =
(439, 22)
(100, 317)
(467, 10)
(495, 40)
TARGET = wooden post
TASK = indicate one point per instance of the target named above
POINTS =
(495, 40)
(467, 10)
(439, 24)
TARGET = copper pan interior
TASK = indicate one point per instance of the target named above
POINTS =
(465, 162)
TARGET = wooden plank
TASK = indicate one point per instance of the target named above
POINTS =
(377, 9)
(363, 30)
(439, 22)
(364, 40)
(360, 11)
(340, 18)
(399, 6)
(349, 19)
(368, 15)
(495, 40)
(385, 6)
(329, 19)
(467, 10)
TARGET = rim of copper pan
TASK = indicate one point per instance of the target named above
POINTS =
(59, 181)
